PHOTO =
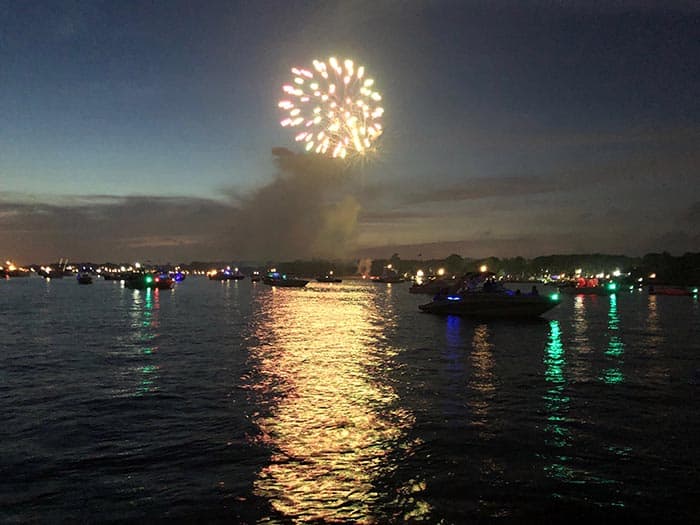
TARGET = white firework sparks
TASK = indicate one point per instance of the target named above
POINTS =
(335, 106)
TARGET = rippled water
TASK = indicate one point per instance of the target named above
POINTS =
(237, 402)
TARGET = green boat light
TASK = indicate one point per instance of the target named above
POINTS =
(149, 279)
(554, 297)
(612, 286)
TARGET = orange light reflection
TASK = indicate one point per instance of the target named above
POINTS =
(335, 420)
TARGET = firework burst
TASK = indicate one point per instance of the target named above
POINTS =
(335, 108)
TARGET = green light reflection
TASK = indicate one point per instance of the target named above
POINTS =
(145, 324)
(556, 404)
(616, 347)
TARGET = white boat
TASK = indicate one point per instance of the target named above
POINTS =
(483, 297)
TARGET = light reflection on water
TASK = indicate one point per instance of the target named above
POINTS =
(616, 347)
(335, 422)
(143, 313)
(481, 382)
(366, 410)
(581, 367)
(556, 404)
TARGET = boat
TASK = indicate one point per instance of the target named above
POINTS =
(389, 275)
(481, 296)
(177, 276)
(48, 272)
(432, 286)
(583, 286)
(328, 278)
(255, 276)
(226, 274)
(84, 278)
(672, 290)
(143, 281)
(13, 271)
(275, 278)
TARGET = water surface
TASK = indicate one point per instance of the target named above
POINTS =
(237, 402)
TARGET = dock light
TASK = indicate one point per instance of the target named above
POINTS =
(441, 272)
(483, 268)
(652, 276)
(695, 291)
(137, 265)
(419, 273)
(616, 273)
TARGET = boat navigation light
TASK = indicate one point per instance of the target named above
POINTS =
(149, 279)
(612, 286)
(554, 297)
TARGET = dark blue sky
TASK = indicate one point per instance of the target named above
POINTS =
(511, 127)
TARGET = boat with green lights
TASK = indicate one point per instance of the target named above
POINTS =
(144, 281)
(275, 278)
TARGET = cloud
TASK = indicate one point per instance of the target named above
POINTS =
(691, 216)
(109, 228)
(307, 210)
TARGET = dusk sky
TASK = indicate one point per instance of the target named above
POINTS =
(150, 130)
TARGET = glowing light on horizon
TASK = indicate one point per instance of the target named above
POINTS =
(336, 107)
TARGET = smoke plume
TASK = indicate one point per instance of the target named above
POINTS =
(307, 210)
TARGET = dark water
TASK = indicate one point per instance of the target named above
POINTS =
(342, 403)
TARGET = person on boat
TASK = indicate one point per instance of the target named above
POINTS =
(441, 294)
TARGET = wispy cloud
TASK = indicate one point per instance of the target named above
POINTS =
(303, 212)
